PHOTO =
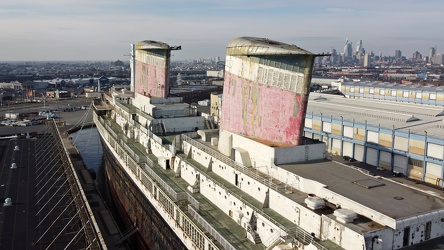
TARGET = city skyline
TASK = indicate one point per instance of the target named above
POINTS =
(103, 30)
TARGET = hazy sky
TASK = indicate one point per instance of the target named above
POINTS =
(104, 29)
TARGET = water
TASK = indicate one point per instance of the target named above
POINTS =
(88, 143)
(90, 148)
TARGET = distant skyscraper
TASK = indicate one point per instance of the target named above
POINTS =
(432, 53)
(367, 60)
(438, 59)
(398, 54)
(334, 57)
(348, 50)
(380, 55)
(359, 47)
(417, 56)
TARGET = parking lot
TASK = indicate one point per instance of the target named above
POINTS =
(70, 112)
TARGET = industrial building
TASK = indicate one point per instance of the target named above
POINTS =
(405, 138)
(411, 93)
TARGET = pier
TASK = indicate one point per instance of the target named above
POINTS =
(48, 199)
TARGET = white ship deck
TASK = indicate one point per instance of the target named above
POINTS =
(392, 199)
(382, 197)
(219, 220)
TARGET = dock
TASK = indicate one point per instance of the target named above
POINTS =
(48, 199)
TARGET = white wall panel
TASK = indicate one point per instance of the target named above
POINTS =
(401, 143)
(308, 123)
(372, 137)
(434, 150)
(348, 131)
(433, 171)
(347, 149)
(385, 160)
(326, 127)
(400, 164)
(372, 157)
(359, 152)
(336, 147)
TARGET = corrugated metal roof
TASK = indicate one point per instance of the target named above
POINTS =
(395, 86)
(262, 46)
(148, 45)
(387, 114)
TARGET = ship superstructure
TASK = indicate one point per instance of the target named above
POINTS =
(256, 183)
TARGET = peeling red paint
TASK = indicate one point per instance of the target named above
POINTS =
(151, 80)
(261, 111)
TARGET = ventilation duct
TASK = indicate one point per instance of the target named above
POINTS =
(345, 215)
(314, 203)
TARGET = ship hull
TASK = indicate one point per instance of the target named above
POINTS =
(136, 211)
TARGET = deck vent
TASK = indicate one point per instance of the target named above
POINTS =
(344, 215)
(369, 183)
(8, 202)
(412, 119)
(320, 98)
(314, 202)
(16, 148)
(13, 165)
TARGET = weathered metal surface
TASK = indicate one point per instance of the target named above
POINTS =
(262, 46)
(136, 211)
(149, 45)
(266, 89)
(151, 80)
(260, 111)
(152, 66)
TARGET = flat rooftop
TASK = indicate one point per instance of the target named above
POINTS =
(42, 213)
(36, 218)
(380, 194)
